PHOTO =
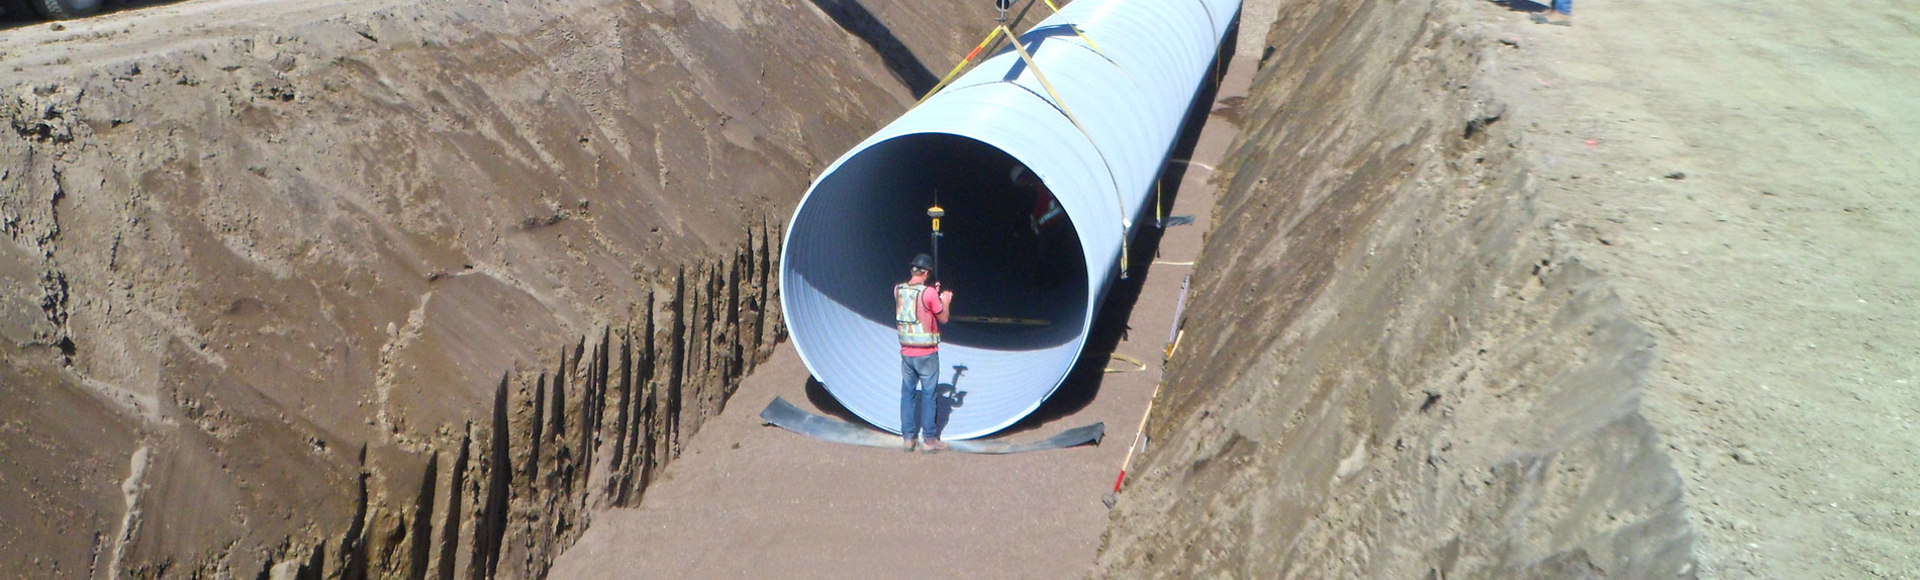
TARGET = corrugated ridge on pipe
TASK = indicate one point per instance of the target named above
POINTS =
(865, 217)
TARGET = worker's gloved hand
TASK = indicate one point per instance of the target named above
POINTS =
(946, 296)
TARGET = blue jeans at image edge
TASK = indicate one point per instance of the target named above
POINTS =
(1563, 6)
(919, 376)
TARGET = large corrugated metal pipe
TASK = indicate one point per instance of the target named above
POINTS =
(1128, 79)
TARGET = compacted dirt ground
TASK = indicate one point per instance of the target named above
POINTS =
(1745, 175)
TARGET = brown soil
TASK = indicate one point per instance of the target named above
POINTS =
(267, 263)
(1408, 379)
(1521, 285)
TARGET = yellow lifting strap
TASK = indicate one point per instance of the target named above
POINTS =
(1027, 58)
(955, 73)
(1125, 223)
(995, 33)
(1076, 31)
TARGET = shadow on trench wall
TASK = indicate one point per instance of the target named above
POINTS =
(591, 432)
(900, 60)
(857, 20)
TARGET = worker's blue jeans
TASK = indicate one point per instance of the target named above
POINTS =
(918, 376)
(1563, 6)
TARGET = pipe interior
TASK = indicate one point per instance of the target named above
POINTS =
(871, 215)
(853, 238)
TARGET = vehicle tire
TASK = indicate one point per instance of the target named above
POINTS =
(66, 9)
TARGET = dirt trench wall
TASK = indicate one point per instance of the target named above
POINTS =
(260, 282)
(502, 496)
(1388, 371)
(588, 433)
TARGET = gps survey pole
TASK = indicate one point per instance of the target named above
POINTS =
(935, 213)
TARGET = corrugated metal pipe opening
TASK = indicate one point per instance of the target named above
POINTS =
(866, 216)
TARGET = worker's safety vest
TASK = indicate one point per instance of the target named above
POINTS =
(906, 315)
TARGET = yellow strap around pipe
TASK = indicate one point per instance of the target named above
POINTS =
(1076, 30)
(1121, 200)
(1028, 58)
(955, 73)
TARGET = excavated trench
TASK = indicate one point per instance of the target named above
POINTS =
(1390, 369)
(314, 306)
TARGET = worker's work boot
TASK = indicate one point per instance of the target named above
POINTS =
(933, 445)
(906, 444)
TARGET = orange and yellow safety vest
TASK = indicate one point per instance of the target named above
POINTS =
(906, 315)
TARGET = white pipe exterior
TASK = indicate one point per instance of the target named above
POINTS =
(854, 231)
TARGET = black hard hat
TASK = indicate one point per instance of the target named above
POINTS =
(923, 261)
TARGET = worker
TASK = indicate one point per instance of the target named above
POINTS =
(919, 314)
(1042, 218)
(1046, 210)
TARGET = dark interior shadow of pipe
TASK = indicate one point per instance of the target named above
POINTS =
(855, 19)
(1110, 326)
